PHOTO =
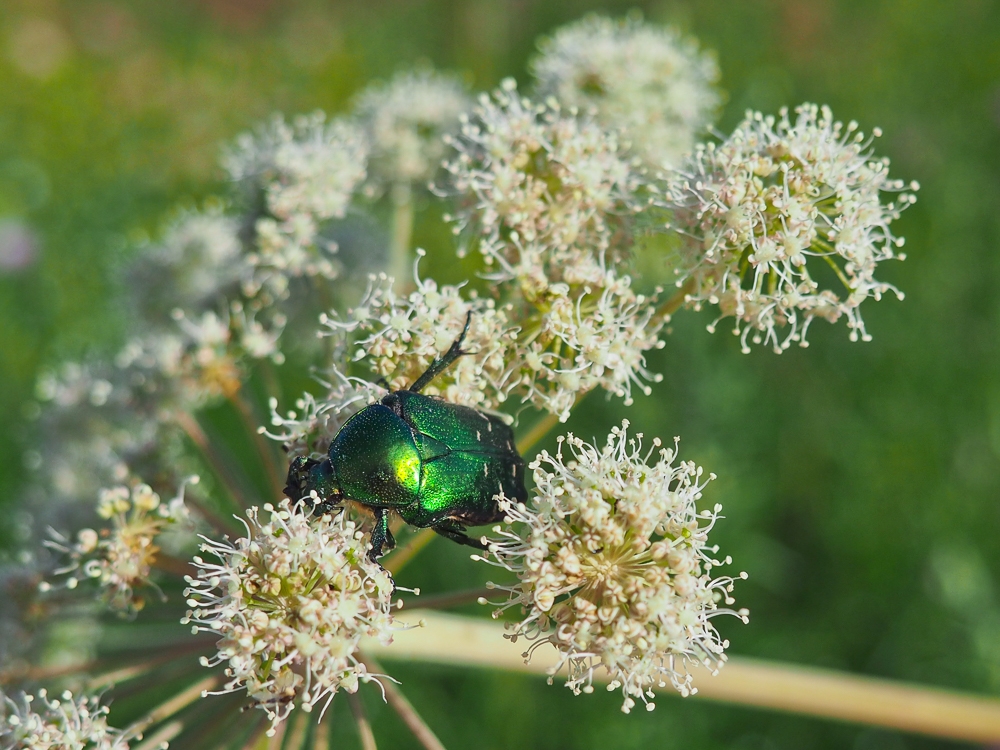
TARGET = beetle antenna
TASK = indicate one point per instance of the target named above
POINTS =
(442, 363)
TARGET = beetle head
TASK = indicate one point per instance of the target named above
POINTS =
(307, 475)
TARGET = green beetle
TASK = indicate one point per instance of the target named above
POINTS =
(437, 464)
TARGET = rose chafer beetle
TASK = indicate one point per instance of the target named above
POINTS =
(437, 464)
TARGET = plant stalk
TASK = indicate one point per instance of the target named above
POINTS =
(811, 691)
(398, 702)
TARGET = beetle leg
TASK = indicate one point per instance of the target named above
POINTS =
(456, 532)
(382, 539)
(442, 363)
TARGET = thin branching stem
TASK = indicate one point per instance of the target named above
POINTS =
(213, 457)
(265, 448)
(361, 719)
(449, 599)
(404, 709)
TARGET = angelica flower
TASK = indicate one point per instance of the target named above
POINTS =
(290, 603)
(308, 172)
(399, 336)
(646, 81)
(120, 558)
(405, 121)
(199, 257)
(777, 203)
(309, 429)
(64, 723)
(543, 192)
(614, 567)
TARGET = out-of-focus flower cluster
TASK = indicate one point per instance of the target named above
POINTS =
(614, 566)
(646, 82)
(774, 211)
(405, 121)
(37, 722)
(290, 603)
(305, 174)
(120, 558)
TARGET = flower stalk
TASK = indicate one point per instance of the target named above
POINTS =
(457, 640)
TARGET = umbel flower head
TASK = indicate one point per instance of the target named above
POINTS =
(120, 558)
(400, 335)
(784, 224)
(64, 723)
(614, 566)
(405, 121)
(307, 171)
(542, 190)
(646, 81)
(290, 603)
(580, 339)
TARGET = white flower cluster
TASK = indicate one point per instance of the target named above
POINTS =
(614, 566)
(545, 191)
(64, 723)
(204, 358)
(290, 603)
(549, 356)
(777, 208)
(308, 171)
(405, 121)
(120, 558)
(586, 338)
(309, 429)
(646, 81)
(204, 254)
(400, 335)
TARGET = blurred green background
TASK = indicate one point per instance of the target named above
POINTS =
(860, 480)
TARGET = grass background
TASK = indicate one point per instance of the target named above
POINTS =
(860, 480)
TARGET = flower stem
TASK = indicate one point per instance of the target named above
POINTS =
(400, 259)
(398, 702)
(321, 738)
(213, 458)
(265, 448)
(671, 306)
(449, 599)
(297, 730)
(409, 549)
(364, 726)
(467, 641)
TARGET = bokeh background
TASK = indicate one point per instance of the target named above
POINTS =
(860, 480)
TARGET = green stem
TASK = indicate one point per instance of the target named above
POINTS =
(400, 258)
(404, 709)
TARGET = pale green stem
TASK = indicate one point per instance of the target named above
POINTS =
(400, 257)
(811, 691)
(404, 709)
(364, 726)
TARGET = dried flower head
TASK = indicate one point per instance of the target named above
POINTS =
(646, 81)
(405, 121)
(120, 558)
(778, 209)
(64, 723)
(544, 192)
(614, 566)
(290, 602)
(307, 171)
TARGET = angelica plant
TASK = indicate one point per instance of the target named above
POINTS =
(274, 601)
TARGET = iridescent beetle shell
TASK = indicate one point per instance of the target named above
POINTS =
(437, 464)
